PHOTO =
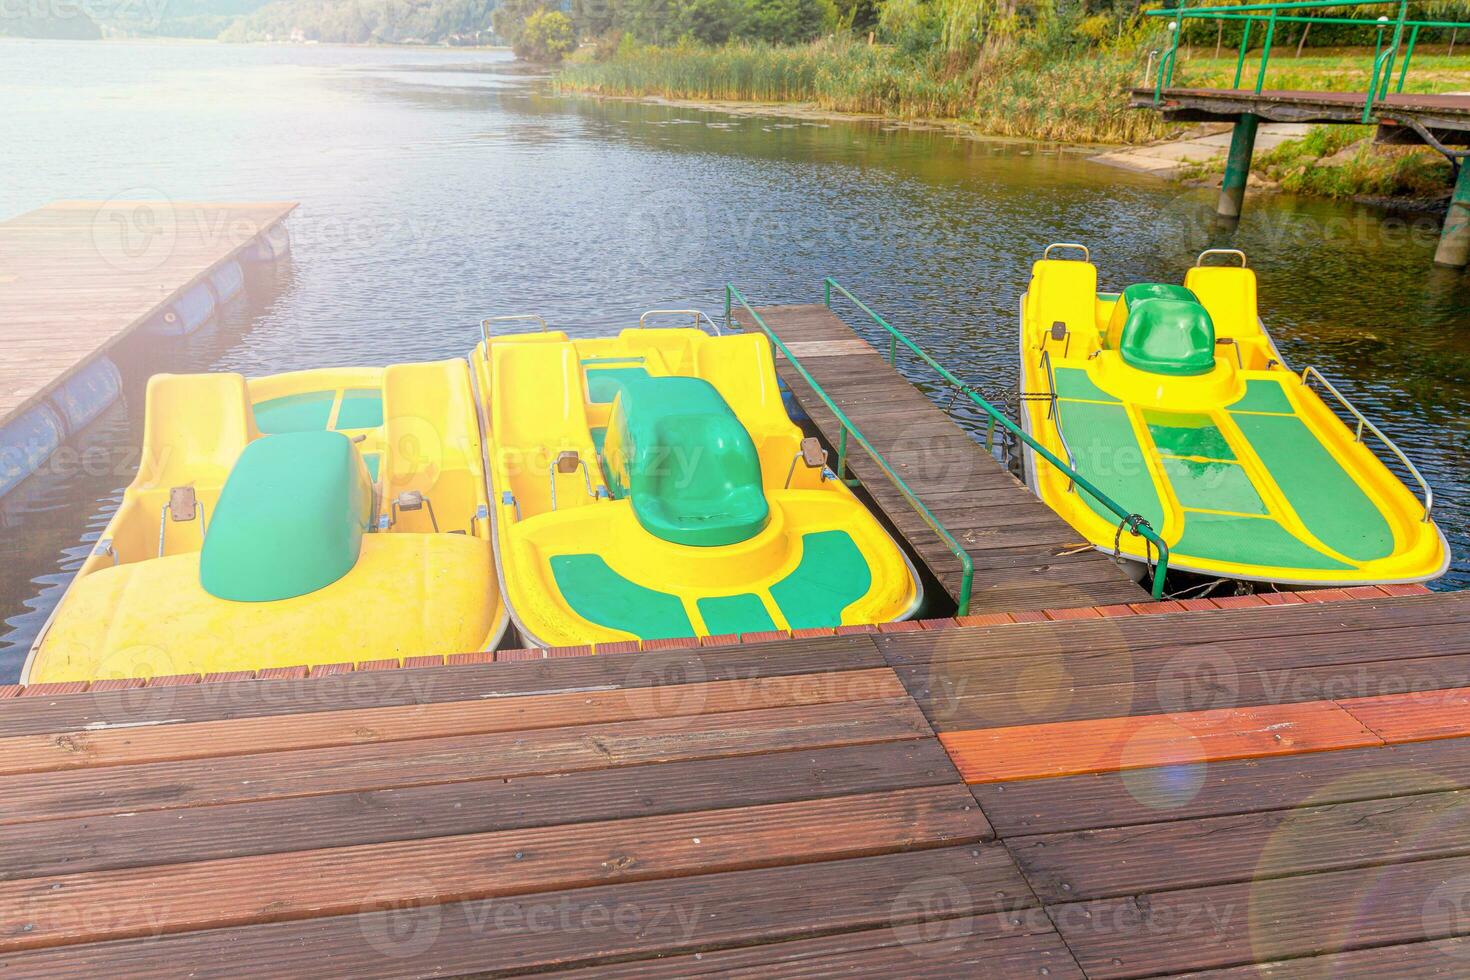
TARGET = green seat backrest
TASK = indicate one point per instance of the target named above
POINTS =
(1169, 336)
(675, 448)
(289, 520)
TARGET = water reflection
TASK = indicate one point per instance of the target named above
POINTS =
(441, 186)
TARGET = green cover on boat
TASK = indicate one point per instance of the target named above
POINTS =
(1169, 336)
(289, 520)
(675, 447)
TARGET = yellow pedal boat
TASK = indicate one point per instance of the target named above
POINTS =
(1174, 401)
(651, 485)
(306, 518)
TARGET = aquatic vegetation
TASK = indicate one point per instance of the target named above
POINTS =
(1004, 90)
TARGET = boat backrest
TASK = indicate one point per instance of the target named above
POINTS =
(1063, 291)
(290, 519)
(1168, 336)
(194, 428)
(677, 450)
(1229, 293)
(1131, 297)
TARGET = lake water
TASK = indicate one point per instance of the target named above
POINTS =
(437, 187)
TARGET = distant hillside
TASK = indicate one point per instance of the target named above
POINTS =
(363, 21)
(52, 21)
(178, 18)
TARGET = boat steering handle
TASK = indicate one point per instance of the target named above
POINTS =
(1086, 254)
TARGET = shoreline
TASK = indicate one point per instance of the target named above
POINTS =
(1195, 171)
(810, 112)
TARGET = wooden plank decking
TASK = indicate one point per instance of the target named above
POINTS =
(1273, 789)
(1025, 557)
(1446, 114)
(77, 276)
(665, 813)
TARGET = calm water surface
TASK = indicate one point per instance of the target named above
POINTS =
(437, 187)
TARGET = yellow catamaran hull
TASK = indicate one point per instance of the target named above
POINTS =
(628, 506)
(420, 578)
(1175, 402)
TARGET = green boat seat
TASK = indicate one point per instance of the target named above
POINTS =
(289, 520)
(1168, 336)
(677, 450)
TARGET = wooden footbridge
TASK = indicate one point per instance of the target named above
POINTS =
(1441, 121)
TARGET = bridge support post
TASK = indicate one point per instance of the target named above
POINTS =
(1238, 166)
(1454, 238)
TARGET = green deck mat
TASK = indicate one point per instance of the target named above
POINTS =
(1107, 452)
(1187, 434)
(1326, 498)
(832, 575)
(1075, 383)
(1263, 396)
(735, 614)
(362, 408)
(602, 596)
(304, 412)
(1212, 486)
(1248, 541)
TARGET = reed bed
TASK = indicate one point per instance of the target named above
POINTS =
(1006, 92)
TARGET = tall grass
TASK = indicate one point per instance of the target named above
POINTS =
(1011, 91)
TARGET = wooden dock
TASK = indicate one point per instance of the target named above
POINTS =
(78, 276)
(1447, 116)
(1113, 792)
(1025, 557)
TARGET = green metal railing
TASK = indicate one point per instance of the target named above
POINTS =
(1384, 55)
(967, 565)
(995, 417)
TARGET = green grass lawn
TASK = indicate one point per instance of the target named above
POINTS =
(1332, 70)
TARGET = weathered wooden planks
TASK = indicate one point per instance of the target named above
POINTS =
(424, 762)
(1024, 555)
(1189, 738)
(199, 740)
(80, 275)
(42, 912)
(763, 807)
(259, 698)
(914, 894)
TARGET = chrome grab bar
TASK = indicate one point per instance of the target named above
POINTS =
(1311, 372)
(1086, 255)
(513, 317)
(183, 506)
(696, 314)
(1054, 414)
(1220, 251)
(568, 461)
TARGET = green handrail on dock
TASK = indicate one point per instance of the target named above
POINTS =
(995, 416)
(1384, 56)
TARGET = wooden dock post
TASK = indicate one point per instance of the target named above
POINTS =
(1238, 165)
(1454, 238)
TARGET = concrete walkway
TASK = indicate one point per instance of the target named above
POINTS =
(1209, 141)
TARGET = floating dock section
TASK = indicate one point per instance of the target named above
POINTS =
(76, 277)
(1025, 557)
